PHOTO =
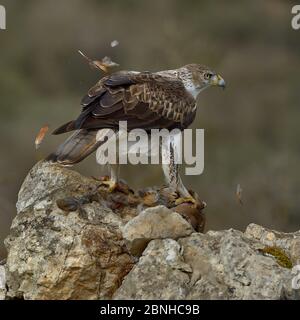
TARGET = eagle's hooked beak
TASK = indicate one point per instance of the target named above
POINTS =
(217, 80)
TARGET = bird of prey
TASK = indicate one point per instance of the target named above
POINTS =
(146, 100)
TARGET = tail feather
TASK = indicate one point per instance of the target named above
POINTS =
(77, 147)
(69, 126)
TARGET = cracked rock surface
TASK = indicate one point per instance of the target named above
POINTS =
(71, 239)
(54, 254)
(216, 265)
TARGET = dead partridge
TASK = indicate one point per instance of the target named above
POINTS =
(192, 212)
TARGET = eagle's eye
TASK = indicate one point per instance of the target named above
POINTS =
(207, 75)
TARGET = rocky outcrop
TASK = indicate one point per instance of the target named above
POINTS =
(216, 265)
(72, 239)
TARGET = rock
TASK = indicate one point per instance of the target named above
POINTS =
(154, 223)
(217, 265)
(53, 254)
(161, 273)
(2, 283)
(289, 242)
(232, 267)
(46, 182)
(72, 239)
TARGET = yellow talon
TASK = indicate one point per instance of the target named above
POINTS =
(111, 185)
(185, 200)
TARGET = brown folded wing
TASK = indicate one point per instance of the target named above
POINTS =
(144, 100)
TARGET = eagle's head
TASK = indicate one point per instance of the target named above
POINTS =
(197, 77)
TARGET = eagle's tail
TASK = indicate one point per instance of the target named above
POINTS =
(69, 126)
(77, 147)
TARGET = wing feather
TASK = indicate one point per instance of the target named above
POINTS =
(145, 100)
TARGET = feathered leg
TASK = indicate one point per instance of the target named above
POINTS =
(114, 172)
(172, 176)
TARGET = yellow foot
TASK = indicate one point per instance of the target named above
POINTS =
(185, 200)
(111, 185)
(115, 186)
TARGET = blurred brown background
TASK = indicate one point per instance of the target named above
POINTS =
(251, 129)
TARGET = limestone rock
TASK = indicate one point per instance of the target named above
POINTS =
(289, 242)
(2, 283)
(72, 239)
(232, 267)
(217, 265)
(53, 254)
(161, 273)
(46, 182)
(154, 223)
